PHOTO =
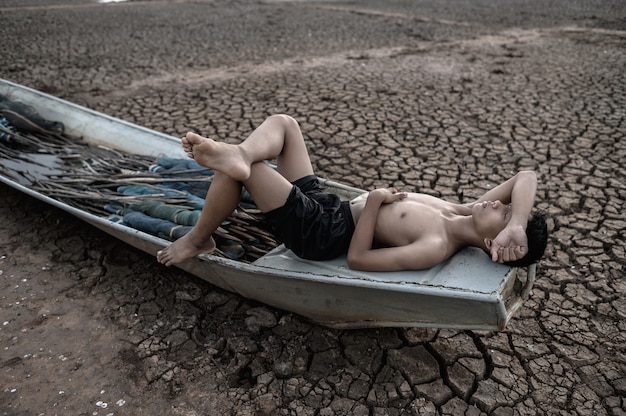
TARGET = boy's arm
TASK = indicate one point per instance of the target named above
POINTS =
(511, 243)
(504, 191)
(416, 256)
(361, 256)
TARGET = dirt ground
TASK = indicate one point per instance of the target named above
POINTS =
(446, 98)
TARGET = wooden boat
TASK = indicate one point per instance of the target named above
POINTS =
(466, 292)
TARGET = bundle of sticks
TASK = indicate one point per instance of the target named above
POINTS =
(89, 177)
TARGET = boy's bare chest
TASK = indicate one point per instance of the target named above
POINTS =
(407, 221)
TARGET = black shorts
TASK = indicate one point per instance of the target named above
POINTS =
(314, 224)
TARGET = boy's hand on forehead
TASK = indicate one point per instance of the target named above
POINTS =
(511, 244)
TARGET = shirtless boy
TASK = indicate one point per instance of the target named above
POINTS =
(388, 230)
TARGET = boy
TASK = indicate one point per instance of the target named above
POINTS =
(386, 231)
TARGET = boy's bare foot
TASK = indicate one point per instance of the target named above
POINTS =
(183, 249)
(223, 157)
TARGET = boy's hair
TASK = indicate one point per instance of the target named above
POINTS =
(537, 234)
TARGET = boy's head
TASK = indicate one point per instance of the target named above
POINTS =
(537, 234)
(490, 217)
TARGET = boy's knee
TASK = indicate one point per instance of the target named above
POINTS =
(285, 119)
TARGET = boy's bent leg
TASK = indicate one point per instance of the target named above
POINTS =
(268, 188)
(221, 201)
(278, 137)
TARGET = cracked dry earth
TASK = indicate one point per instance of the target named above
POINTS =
(91, 326)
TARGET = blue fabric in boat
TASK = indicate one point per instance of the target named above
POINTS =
(168, 212)
(166, 229)
(155, 226)
(172, 221)
(165, 165)
(193, 201)
(5, 130)
(169, 167)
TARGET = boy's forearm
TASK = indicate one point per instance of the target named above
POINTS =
(363, 236)
(523, 198)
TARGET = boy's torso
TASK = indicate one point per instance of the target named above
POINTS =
(418, 217)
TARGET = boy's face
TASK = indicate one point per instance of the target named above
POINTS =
(490, 217)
